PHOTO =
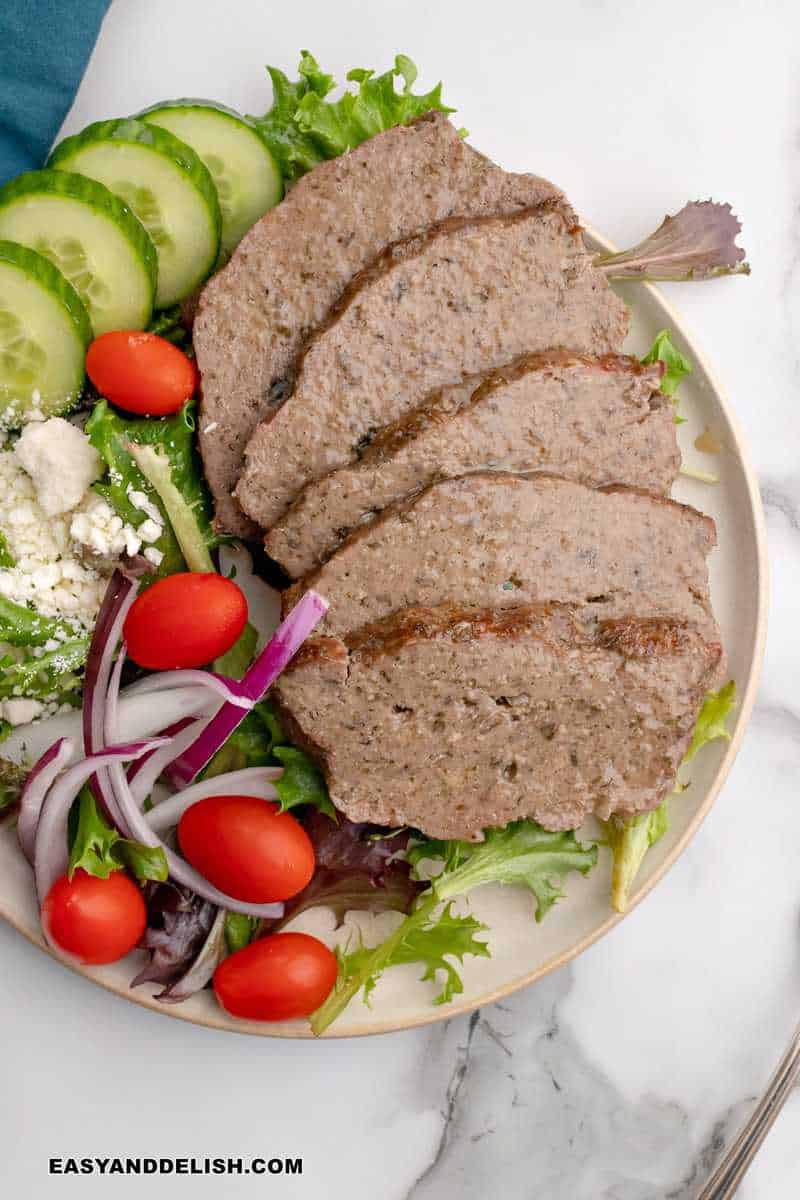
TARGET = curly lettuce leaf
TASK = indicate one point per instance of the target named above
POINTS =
(98, 849)
(630, 839)
(712, 722)
(676, 365)
(301, 782)
(522, 853)
(303, 128)
(173, 439)
(433, 942)
(6, 557)
(259, 741)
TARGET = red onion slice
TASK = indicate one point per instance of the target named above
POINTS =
(251, 781)
(111, 716)
(179, 869)
(40, 780)
(50, 850)
(231, 691)
(139, 717)
(119, 597)
(117, 602)
(143, 778)
(275, 656)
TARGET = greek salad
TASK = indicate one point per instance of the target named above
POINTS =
(161, 804)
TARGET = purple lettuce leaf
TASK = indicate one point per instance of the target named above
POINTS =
(356, 870)
(697, 243)
(178, 923)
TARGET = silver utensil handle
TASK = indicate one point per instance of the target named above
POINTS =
(730, 1172)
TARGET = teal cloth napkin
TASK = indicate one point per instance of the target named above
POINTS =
(44, 48)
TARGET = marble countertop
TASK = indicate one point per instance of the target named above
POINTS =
(623, 1076)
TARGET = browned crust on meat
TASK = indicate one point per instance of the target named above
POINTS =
(646, 637)
(560, 626)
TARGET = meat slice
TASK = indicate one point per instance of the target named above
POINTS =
(595, 419)
(295, 262)
(465, 296)
(498, 540)
(452, 721)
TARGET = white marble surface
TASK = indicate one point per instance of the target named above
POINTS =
(621, 1077)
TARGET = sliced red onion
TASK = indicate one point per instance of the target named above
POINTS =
(37, 785)
(142, 778)
(119, 597)
(50, 849)
(275, 656)
(179, 869)
(229, 690)
(117, 602)
(139, 718)
(202, 969)
(111, 717)
(251, 781)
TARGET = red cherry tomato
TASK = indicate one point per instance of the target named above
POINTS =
(273, 979)
(247, 848)
(141, 372)
(95, 920)
(185, 620)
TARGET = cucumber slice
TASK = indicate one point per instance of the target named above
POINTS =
(92, 237)
(44, 332)
(166, 185)
(247, 178)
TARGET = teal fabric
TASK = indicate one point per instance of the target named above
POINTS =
(44, 48)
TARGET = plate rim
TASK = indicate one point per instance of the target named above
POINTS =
(301, 1032)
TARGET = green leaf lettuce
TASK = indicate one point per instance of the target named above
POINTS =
(676, 365)
(303, 128)
(522, 853)
(172, 439)
(630, 838)
(98, 849)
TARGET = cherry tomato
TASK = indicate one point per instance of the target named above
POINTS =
(141, 372)
(247, 848)
(278, 977)
(185, 620)
(95, 920)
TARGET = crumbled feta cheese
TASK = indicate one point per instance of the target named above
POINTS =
(60, 460)
(154, 556)
(96, 526)
(140, 500)
(150, 531)
(21, 712)
(46, 573)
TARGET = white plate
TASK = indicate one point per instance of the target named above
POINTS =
(523, 951)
